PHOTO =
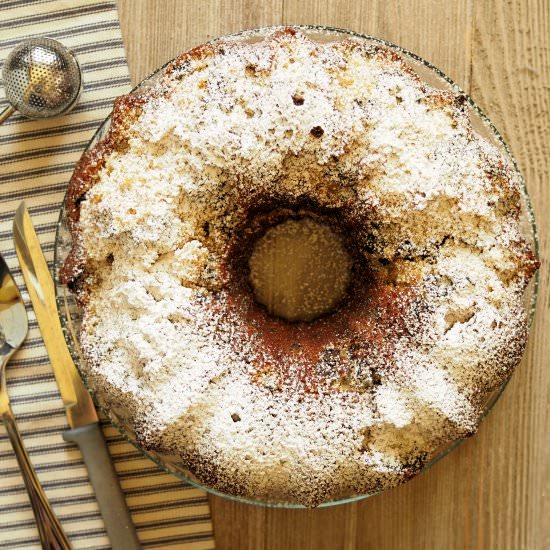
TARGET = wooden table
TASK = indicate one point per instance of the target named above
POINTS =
(490, 493)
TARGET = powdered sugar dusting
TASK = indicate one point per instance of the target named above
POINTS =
(356, 402)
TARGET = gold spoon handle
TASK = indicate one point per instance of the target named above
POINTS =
(51, 533)
(7, 112)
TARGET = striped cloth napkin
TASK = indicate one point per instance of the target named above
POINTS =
(36, 161)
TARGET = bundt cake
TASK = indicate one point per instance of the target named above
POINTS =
(235, 139)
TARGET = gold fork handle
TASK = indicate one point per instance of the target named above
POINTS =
(7, 112)
(51, 533)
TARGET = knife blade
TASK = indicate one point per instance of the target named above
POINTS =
(81, 414)
(77, 400)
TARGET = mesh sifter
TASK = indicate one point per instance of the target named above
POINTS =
(42, 79)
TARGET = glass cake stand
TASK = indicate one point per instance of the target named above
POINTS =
(71, 316)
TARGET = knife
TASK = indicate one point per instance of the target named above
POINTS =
(81, 414)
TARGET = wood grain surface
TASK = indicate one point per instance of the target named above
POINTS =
(492, 492)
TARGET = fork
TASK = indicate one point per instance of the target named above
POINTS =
(13, 331)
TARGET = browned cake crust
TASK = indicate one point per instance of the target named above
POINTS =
(165, 209)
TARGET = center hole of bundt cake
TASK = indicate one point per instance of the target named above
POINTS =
(300, 269)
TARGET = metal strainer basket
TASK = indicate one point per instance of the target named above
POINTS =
(42, 79)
